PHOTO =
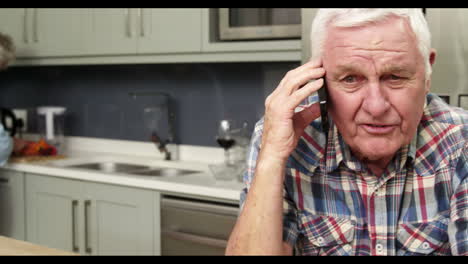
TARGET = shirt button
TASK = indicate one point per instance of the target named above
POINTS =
(347, 247)
(320, 240)
(379, 248)
(425, 245)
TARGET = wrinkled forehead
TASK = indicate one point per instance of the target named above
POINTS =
(372, 35)
(392, 38)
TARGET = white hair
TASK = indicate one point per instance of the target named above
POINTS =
(354, 17)
(7, 51)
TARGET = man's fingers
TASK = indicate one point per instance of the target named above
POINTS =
(308, 89)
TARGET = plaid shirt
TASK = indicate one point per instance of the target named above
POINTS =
(419, 206)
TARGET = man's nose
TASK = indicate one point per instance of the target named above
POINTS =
(375, 102)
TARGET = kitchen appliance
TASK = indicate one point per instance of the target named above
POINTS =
(259, 23)
(51, 125)
(195, 227)
(10, 122)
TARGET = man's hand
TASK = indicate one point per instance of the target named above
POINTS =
(282, 126)
(259, 227)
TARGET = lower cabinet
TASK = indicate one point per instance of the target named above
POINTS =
(12, 206)
(92, 218)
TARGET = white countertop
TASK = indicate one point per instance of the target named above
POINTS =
(202, 184)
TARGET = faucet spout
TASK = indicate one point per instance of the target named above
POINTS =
(161, 145)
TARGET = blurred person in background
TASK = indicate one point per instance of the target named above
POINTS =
(8, 145)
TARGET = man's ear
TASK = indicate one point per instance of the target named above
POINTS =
(432, 58)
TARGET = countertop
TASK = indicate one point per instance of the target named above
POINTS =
(201, 185)
(10, 246)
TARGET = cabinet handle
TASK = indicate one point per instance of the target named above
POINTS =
(87, 204)
(201, 240)
(4, 180)
(142, 22)
(36, 35)
(129, 23)
(25, 26)
(76, 249)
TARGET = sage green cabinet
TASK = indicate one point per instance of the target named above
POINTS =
(12, 205)
(14, 22)
(170, 30)
(92, 218)
(47, 32)
(132, 31)
(60, 31)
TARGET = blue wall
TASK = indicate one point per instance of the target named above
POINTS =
(99, 105)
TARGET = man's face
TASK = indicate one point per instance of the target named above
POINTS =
(377, 86)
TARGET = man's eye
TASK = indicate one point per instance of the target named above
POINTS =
(350, 79)
(394, 77)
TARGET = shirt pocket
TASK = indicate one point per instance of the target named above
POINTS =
(423, 238)
(327, 235)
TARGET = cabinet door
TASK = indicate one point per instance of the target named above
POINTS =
(53, 212)
(169, 30)
(61, 31)
(16, 23)
(114, 31)
(12, 220)
(121, 220)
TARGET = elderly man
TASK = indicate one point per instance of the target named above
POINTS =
(389, 177)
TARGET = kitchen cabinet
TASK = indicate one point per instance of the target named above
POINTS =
(12, 204)
(47, 32)
(132, 31)
(13, 22)
(450, 39)
(131, 35)
(169, 30)
(60, 31)
(92, 218)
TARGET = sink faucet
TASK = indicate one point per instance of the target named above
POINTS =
(163, 146)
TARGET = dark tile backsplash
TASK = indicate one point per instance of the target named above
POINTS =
(99, 102)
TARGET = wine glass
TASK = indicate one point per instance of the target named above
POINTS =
(225, 137)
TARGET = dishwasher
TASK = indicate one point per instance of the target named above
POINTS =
(195, 227)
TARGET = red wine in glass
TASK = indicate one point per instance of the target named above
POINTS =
(226, 143)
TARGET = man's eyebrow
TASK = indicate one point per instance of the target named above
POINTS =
(347, 68)
(397, 69)
(391, 68)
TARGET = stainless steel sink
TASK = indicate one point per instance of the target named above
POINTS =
(109, 167)
(142, 170)
(165, 172)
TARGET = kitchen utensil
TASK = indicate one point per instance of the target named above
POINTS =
(51, 125)
(9, 121)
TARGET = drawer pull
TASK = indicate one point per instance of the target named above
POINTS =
(87, 204)
(76, 249)
(208, 241)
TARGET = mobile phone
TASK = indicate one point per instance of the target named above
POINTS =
(323, 100)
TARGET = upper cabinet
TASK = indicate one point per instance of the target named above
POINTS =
(56, 36)
(146, 31)
(59, 31)
(13, 22)
(169, 30)
(47, 32)
(113, 31)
